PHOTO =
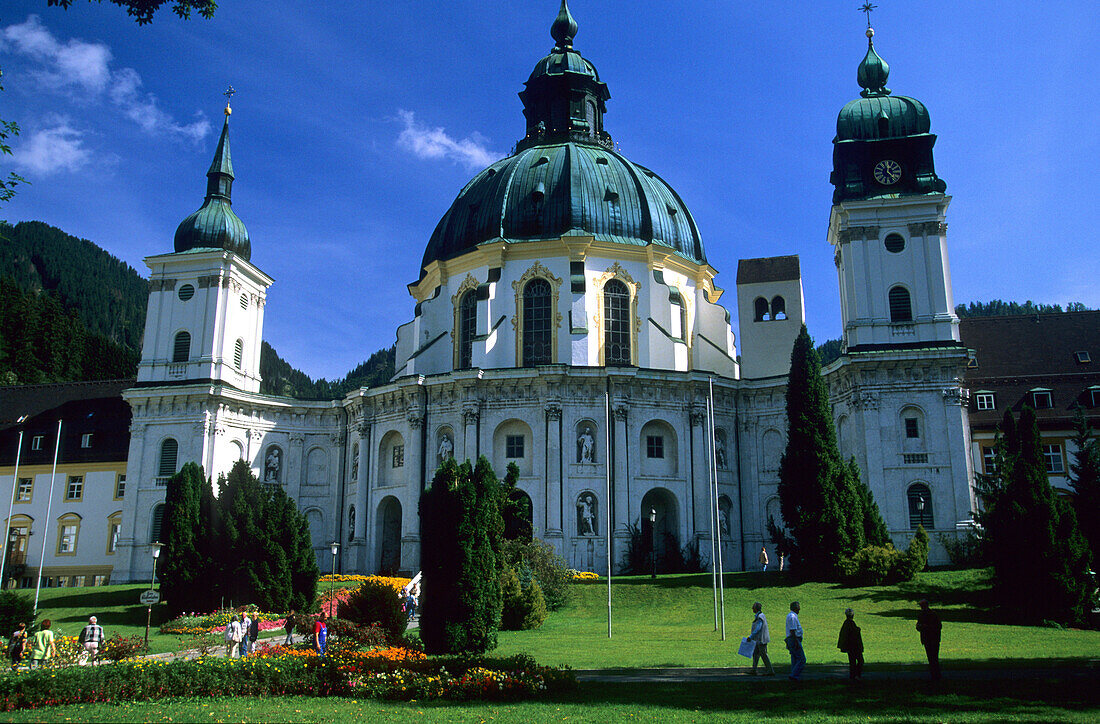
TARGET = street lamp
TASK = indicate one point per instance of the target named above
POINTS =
(156, 545)
(335, 548)
(653, 540)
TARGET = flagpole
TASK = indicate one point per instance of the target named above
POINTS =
(607, 500)
(717, 518)
(713, 552)
(46, 525)
(11, 506)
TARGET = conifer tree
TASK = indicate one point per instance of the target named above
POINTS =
(875, 532)
(1040, 560)
(816, 494)
(1085, 479)
(183, 564)
(515, 508)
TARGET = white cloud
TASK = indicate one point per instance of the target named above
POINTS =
(83, 66)
(47, 151)
(434, 143)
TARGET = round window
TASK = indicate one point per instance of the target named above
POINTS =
(895, 243)
(186, 292)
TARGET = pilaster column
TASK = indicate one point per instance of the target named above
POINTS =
(552, 505)
(295, 464)
(621, 492)
(414, 460)
(471, 413)
(362, 432)
(700, 472)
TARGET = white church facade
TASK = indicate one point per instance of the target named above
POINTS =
(566, 319)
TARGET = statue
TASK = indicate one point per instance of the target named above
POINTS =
(355, 463)
(272, 463)
(587, 445)
(446, 448)
(720, 454)
(723, 521)
(586, 514)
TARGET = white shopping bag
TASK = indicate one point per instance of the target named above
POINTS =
(747, 647)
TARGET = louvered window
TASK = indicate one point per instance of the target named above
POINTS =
(901, 310)
(169, 449)
(920, 506)
(158, 523)
(238, 353)
(616, 311)
(537, 334)
(181, 350)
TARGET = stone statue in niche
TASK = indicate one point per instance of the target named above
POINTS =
(586, 514)
(586, 446)
(446, 447)
(723, 521)
(272, 464)
(720, 453)
(355, 463)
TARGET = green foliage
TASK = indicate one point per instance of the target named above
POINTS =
(964, 551)
(829, 351)
(511, 596)
(877, 565)
(14, 610)
(546, 566)
(8, 129)
(142, 10)
(817, 492)
(515, 507)
(279, 378)
(183, 565)
(461, 559)
(119, 648)
(377, 604)
(534, 606)
(249, 545)
(1040, 559)
(874, 527)
(1000, 308)
(1084, 477)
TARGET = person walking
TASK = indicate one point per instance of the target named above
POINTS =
(16, 645)
(232, 638)
(929, 626)
(289, 626)
(794, 642)
(253, 631)
(759, 634)
(91, 637)
(763, 559)
(850, 642)
(246, 628)
(42, 645)
(320, 634)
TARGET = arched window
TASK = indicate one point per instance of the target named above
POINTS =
(238, 353)
(538, 336)
(467, 328)
(181, 348)
(590, 117)
(760, 307)
(157, 523)
(901, 310)
(779, 308)
(169, 449)
(616, 312)
(920, 506)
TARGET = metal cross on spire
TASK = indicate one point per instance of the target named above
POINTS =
(866, 9)
(228, 97)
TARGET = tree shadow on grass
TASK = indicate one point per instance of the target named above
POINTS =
(90, 597)
(731, 580)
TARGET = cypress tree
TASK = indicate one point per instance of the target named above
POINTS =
(816, 494)
(1040, 560)
(874, 527)
(182, 563)
(515, 508)
(1085, 479)
(440, 557)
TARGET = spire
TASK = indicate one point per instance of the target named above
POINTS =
(220, 175)
(873, 70)
(564, 28)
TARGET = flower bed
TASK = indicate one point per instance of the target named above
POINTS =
(584, 575)
(396, 582)
(395, 673)
(198, 624)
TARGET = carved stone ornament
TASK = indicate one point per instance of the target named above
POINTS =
(865, 401)
(467, 284)
(698, 416)
(137, 431)
(471, 411)
(853, 233)
(553, 411)
(620, 410)
(337, 438)
(257, 435)
(928, 228)
(415, 416)
(956, 396)
(297, 438)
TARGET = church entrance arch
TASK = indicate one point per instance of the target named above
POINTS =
(389, 535)
(661, 537)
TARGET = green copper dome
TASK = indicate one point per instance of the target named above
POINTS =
(564, 176)
(877, 114)
(215, 226)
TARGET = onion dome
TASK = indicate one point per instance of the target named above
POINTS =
(877, 113)
(214, 225)
(564, 176)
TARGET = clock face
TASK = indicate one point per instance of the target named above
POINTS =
(887, 172)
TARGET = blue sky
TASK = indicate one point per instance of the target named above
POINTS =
(356, 124)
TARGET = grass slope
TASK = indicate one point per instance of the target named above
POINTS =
(670, 622)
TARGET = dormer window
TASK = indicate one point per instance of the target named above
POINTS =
(1094, 395)
(986, 400)
(1041, 399)
(1083, 357)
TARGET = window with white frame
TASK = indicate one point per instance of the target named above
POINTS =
(989, 460)
(36, 442)
(86, 440)
(75, 489)
(120, 487)
(67, 531)
(1041, 399)
(398, 456)
(26, 489)
(1052, 454)
(986, 401)
(1094, 395)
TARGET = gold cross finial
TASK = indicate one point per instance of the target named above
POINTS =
(228, 97)
(866, 9)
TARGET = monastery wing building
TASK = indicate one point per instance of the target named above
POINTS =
(566, 320)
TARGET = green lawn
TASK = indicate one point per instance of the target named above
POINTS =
(1033, 700)
(670, 622)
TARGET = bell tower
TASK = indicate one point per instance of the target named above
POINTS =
(206, 300)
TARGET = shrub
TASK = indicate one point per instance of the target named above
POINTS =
(118, 648)
(878, 565)
(534, 605)
(14, 610)
(966, 551)
(511, 595)
(375, 603)
(548, 568)
(915, 558)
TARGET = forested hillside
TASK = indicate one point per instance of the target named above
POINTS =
(71, 311)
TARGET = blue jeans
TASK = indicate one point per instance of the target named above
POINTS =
(798, 656)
